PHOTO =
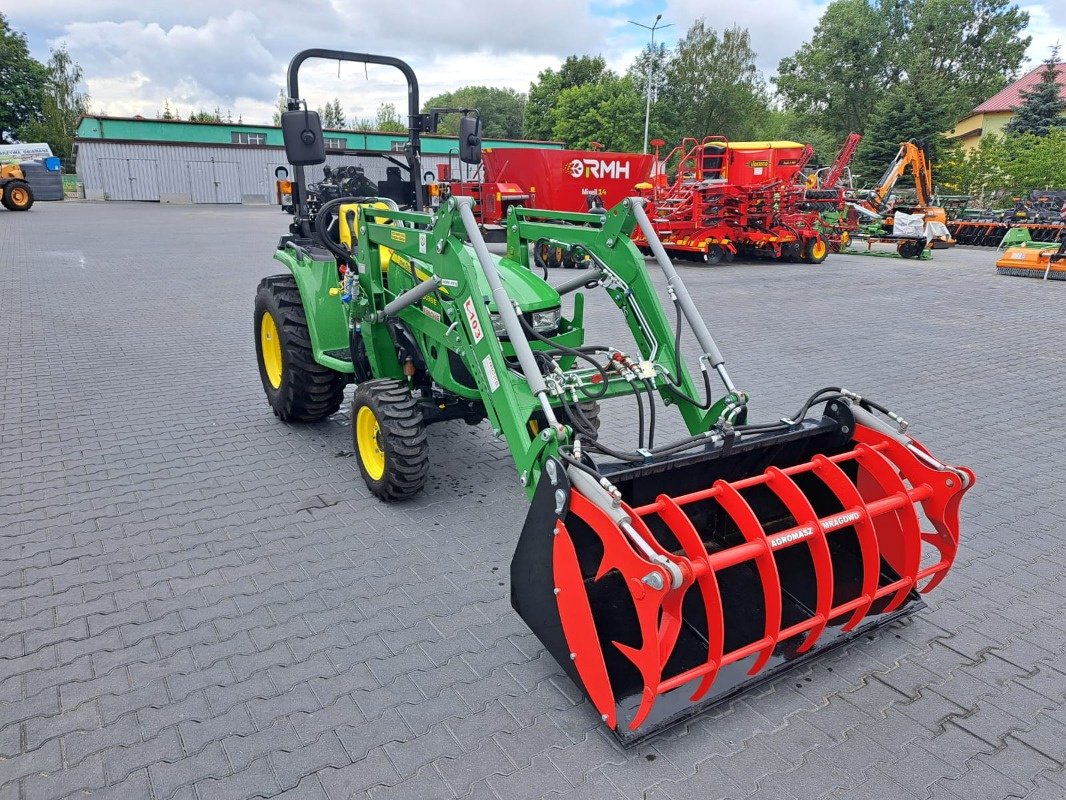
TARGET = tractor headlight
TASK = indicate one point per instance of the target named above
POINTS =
(540, 321)
(547, 321)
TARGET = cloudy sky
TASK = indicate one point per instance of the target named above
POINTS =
(208, 53)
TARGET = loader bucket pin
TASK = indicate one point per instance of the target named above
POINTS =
(787, 545)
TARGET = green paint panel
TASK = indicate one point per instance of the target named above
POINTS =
(177, 132)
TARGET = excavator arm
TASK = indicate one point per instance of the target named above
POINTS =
(911, 154)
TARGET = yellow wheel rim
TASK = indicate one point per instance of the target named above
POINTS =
(845, 239)
(271, 348)
(368, 439)
(19, 196)
(818, 251)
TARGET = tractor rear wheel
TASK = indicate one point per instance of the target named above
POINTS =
(18, 196)
(297, 387)
(390, 439)
(816, 250)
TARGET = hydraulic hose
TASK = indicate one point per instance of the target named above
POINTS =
(576, 353)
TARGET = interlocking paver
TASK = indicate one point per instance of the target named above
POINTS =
(198, 601)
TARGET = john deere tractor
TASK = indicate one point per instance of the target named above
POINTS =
(663, 574)
(15, 192)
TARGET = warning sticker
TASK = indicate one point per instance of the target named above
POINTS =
(490, 373)
(472, 320)
(429, 312)
(421, 243)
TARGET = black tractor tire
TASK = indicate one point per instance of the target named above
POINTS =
(393, 456)
(18, 196)
(791, 252)
(713, 255)
(299, 389)
(816, 250)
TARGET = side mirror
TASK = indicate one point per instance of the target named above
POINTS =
(470, 140)
(302, 131)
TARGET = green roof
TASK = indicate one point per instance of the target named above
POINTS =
(135, 129)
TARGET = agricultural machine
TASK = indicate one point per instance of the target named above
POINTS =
(15, 192)
(1027, 258)
(879, 208)
(662, 575)
(728, 198)
(560, 180)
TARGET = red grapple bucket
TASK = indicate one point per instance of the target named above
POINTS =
(788, 544)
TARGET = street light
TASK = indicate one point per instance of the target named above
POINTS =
(651, 69)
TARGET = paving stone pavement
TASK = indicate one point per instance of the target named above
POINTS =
(197, 601)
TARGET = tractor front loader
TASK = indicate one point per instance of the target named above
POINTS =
(663, 576)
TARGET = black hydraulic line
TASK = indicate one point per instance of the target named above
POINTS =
(640, 419)
(651, 417)
(571, 351)
(673, 385)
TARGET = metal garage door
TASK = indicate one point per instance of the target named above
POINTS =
(227, 182)
(214, 181)
(130, 178)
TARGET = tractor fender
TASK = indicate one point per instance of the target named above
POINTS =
(327, 324)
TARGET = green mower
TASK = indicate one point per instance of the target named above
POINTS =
(663, 576)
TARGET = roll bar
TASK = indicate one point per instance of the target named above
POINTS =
(413, 148)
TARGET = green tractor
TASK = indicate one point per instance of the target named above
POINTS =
(662, 575)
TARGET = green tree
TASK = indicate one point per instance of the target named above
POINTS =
(332, 115)
(386, 120)
(945, 56)
(610, 112)
(280, 107)
(207, 116)
(63, 105)
(902, 113)
(653, 59)
(167, 113)
(501, 110)
(1007, 166)
(713, 86)
(22, 82)
(544, 92)
(1043, 105)
(836, 77)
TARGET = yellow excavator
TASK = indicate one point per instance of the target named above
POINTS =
(913, 154)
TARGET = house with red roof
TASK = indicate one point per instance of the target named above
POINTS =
(994, 113)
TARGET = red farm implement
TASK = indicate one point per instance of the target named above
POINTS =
(714, 199)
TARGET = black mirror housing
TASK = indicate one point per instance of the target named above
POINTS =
(304, 143)
(470, 140)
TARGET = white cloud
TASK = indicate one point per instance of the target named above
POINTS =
(207, 53)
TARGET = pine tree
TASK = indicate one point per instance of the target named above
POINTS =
(1043, 105)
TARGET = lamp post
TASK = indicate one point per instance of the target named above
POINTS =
(651, 69)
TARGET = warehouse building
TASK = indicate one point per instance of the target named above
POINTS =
(173, 161)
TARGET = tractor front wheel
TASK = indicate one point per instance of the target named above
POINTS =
(17, 196)
(298, 388)
(390, 439)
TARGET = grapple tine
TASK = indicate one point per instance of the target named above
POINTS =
(834, 477)
(751, 529)
(806, 518)
(694, 550)
(899, 542)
